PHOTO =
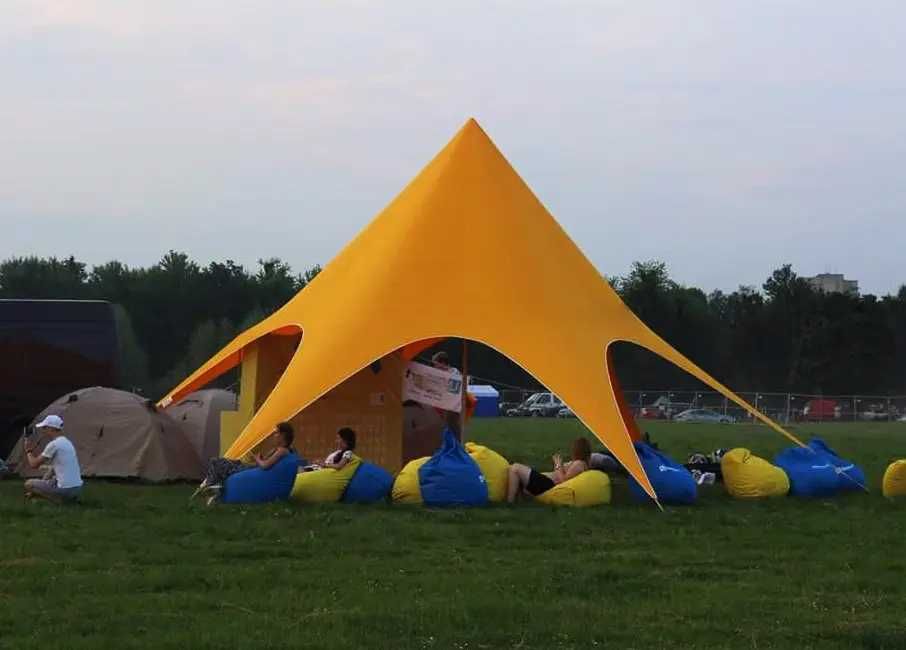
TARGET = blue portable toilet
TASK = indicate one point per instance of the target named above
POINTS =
(488, 398)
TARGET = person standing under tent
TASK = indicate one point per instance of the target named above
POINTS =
(66, 482)
(441, 361)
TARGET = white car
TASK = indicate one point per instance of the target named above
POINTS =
(566, 412)
(702, 415)
(539, 405)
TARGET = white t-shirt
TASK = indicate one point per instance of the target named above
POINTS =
(339, 455)
(62, 456)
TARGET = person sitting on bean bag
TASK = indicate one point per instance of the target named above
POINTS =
(529, 480)
(219, 469)
(338, 459)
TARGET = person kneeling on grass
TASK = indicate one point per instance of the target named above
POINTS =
(530, 481)
(345, 442)
(66, 483)
(220, 469)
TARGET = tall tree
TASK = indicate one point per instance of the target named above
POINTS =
(33, 277)
(791, 318)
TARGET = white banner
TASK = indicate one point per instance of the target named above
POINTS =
(433, 387)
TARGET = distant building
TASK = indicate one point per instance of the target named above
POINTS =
(834, 283)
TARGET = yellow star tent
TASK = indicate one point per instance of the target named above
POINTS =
(418, 271)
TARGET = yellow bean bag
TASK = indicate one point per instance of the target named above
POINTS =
(496, 469)
(324, 485)
(590, 488)
(894, 483)
(406, 488)
(749, 477)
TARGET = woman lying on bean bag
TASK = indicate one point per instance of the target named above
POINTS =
(327, 481)
(530, 481)
(340, 457)
(220, 469)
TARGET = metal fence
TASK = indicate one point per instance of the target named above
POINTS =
(781, 407)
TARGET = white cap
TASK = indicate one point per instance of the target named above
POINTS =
(51, 421)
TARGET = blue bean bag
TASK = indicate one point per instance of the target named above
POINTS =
(369, 484)
(811, 473)
(262, 485)
(849, 475)
(672, 482)
(451, 478)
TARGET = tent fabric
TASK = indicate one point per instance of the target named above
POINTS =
(371, 483)
(451, 477)
(406, 488)
(747, 476)
(590, 488)
(380, 293)
(258, 485)
(494, 467)
(672, 482)
(198, 414)
(117, 434)
(324, 485)
(849, 475)
(810, 474)
(894, 482)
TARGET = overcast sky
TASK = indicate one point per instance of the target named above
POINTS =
(724, 138)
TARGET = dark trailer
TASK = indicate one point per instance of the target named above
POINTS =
(48, 348)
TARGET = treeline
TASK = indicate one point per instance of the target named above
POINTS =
(784, 337)
(787, 337)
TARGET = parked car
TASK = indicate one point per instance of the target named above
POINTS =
(874, 413)
(703, 415)
(539, 405)
(566, 412)
(663, 408)
(504, 408)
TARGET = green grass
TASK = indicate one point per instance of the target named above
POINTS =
(138, 566)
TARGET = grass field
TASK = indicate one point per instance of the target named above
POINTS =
(139, 566)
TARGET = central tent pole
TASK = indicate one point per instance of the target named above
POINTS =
(465, 388)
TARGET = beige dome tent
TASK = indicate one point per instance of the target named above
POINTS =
(198, 414)
(120, 435)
